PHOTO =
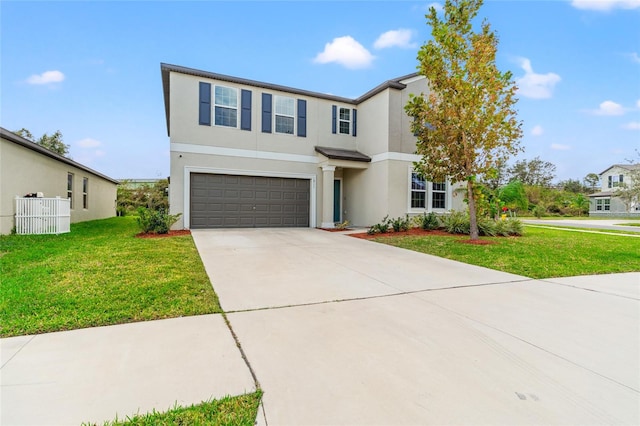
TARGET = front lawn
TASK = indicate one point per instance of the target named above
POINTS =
(99, 274)
(230, 411)
(540, 253)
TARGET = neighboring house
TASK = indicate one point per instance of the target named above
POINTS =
(251, 154)
(26, 168)
(605, 202)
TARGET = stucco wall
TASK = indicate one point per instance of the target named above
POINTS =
(23, 171)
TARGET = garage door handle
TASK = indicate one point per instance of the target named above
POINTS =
(254, 207)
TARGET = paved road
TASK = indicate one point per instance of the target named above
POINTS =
(613, 224)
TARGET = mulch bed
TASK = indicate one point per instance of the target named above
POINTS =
(177, 233)
(417, 232)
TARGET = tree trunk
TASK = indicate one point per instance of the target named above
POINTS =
(473, 220)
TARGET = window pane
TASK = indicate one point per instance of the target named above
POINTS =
(284, 124)
(285, 106)
(418, 200)
(439, 186)
(438, 200)
(345, 114)
(344, 127)
(226, 117)
(417, 182)
(226, 96)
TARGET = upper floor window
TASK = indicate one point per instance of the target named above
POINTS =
(284, 114)
(70, 189)
(344, 121)
(85, 193)
(226, 106)
(615, 181)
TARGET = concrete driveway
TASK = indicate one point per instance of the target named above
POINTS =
(340, 330)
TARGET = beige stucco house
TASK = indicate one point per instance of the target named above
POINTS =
(252, 154)
(605, 202)
(26, 167)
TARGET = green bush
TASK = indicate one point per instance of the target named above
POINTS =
(158, 221)
(487, 226)
(401, 223)
(380, 228)
(428, 221)
(456, 222)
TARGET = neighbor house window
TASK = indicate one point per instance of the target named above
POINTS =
(603, 204)
(615, 181)
(438, 195)
(418, 191)
(284, 114)
(70, 189)
(226, 106)
(85, 193)
(344, 122)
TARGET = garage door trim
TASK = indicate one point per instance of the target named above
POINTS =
(257, 173)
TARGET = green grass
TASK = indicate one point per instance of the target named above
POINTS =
(99, 274)
(229, 411)
(540, 253)
(629, 224)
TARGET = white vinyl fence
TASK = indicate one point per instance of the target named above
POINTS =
(43, 215)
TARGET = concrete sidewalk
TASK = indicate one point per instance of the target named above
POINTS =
(96, 374)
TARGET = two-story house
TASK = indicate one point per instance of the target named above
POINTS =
(605, 202)
(252, 154)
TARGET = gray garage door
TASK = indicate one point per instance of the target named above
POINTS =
(229, 201)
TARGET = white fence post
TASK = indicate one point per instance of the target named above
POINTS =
(43, 215)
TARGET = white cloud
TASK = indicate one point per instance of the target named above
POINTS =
(605, 5)
(634, 57)
(634, 125)
(537, 130)
(560, 147)
(345, 51)
(395, 38)
(88, 143)
(46, 77)
(609, 108)
(536, 86)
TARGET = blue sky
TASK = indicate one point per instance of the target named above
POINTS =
(92, 69)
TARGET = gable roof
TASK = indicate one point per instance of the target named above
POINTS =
(623, 166)
(19, 140)
(166, 69)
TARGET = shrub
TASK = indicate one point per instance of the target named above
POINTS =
(343, 225)
(428, 221)
(514, 227)
(400, 223)
(456, 223)
(380, 228)
(158, 221)
(487, 226)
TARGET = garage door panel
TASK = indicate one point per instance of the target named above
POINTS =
(219, 201)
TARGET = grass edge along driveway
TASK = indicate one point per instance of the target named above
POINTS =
(539, 253)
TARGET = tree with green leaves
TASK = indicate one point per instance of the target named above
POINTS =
(466, 126)
(52, 142)
(591, 181)
(536, 172)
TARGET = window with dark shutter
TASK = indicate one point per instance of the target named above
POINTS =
(266, 113)
(302, 118)
(245, 115)
(334, 119)
(354, 118)
(205, 104)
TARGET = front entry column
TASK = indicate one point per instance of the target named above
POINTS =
(327, 196)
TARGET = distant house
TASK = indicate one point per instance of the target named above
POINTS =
(26, 168)
(246, 153)
(604, 202)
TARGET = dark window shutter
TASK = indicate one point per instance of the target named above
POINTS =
(334, 118)
(621, 178)
(610, 181)
(205, 104)
(355, 122)
(245, 115)
(302, 118)
(266, 113)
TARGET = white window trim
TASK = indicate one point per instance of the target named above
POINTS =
(340, 120)
(85, 193)
(448, 195)
(214, 105)
(275, 114)
(411, 190)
